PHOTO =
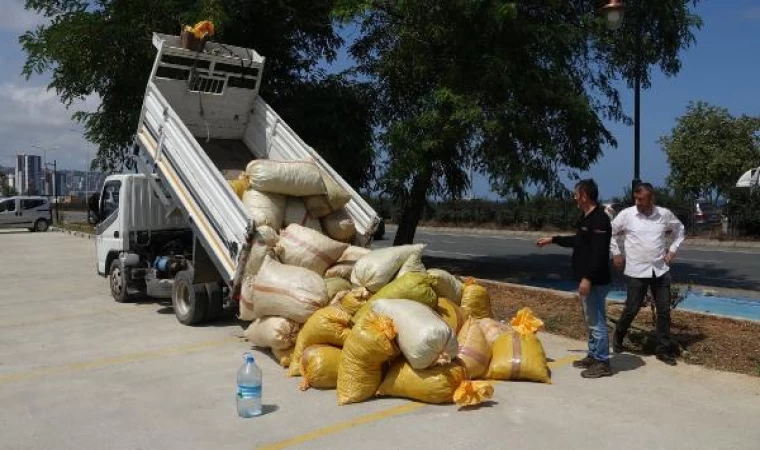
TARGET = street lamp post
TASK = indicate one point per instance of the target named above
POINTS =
(614, 11)
(55, 189)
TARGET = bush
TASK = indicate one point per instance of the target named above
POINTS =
(744, 211)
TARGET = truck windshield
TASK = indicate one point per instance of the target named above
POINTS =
(109, 201)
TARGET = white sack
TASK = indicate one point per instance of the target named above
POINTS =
(272, 332)
(423, 337)
(303, 247)
(339, 226)
(345, 264)
(295, 212)
(294, 178)
(265, 208)
(286, 291)
(378, 268)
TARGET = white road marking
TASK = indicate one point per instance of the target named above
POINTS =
(469, 255)
(710, 261)
(716, 250)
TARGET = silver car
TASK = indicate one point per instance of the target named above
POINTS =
(25, 212)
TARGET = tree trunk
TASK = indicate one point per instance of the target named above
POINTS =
(412, 210)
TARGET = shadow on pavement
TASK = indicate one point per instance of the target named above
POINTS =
(625, 362)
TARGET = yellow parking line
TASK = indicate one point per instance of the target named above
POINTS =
(122, 359)
(135, 307)
(340, 426)
(374, 417)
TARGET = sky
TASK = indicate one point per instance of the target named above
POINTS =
(722, 68)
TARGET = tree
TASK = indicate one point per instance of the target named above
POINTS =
(5, 189)
(709, 149)
(518, 89)
(103, 48)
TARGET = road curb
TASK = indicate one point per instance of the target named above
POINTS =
(79, 234)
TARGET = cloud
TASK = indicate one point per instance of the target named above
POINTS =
(14, 18)
(32, 115)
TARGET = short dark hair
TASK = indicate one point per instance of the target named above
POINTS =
(589, 187)
(644, 187)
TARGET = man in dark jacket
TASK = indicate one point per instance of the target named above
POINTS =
(591, 268)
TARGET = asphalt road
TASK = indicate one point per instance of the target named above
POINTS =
(516, 258)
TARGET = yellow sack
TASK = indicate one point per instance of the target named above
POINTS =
(368, 347)
(518, 357)
(471, 393)
(335, 285)
(475, 298)
(453, 315)
(319, 364)
(239, 186)
(492, 329)
(436, 384)
(354, 300)
(474, 349)
(525, 322)
(283, 356)
(329, 325)
(446, 285)
(413, 286)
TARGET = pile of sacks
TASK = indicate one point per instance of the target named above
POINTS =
(301, 221)
(378, 323)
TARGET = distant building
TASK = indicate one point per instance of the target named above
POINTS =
(29, 174)
(60, 185)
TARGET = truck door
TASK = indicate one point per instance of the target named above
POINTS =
(109, 236)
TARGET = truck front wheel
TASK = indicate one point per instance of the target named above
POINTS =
(118, 280)
(190, 301)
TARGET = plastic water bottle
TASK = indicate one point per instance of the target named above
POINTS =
(249, 388)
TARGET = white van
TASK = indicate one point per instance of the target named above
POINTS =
(25, 212)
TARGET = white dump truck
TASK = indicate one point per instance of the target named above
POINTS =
(176, 229)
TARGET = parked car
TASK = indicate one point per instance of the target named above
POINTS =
(612, 209)
(706, 214)
(25, 212)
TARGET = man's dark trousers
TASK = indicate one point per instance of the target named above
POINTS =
(637, 290)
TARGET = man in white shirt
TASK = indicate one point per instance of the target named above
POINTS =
(644, 228)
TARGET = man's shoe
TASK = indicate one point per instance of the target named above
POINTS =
(598, 369)
(618, 347)
(667, 359)
(584, 363)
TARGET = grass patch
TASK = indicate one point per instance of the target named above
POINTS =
(82, 227)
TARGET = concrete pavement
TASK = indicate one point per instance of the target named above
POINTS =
(79, 371)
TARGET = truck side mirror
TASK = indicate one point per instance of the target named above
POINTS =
(93, 213)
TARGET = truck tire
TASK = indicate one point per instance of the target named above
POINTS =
(215, 305)
(190, 301)
(117, 278)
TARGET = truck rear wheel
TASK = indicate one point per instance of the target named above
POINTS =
(190, 301)
(215, 305)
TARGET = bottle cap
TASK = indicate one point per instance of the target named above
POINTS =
(248, 357)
